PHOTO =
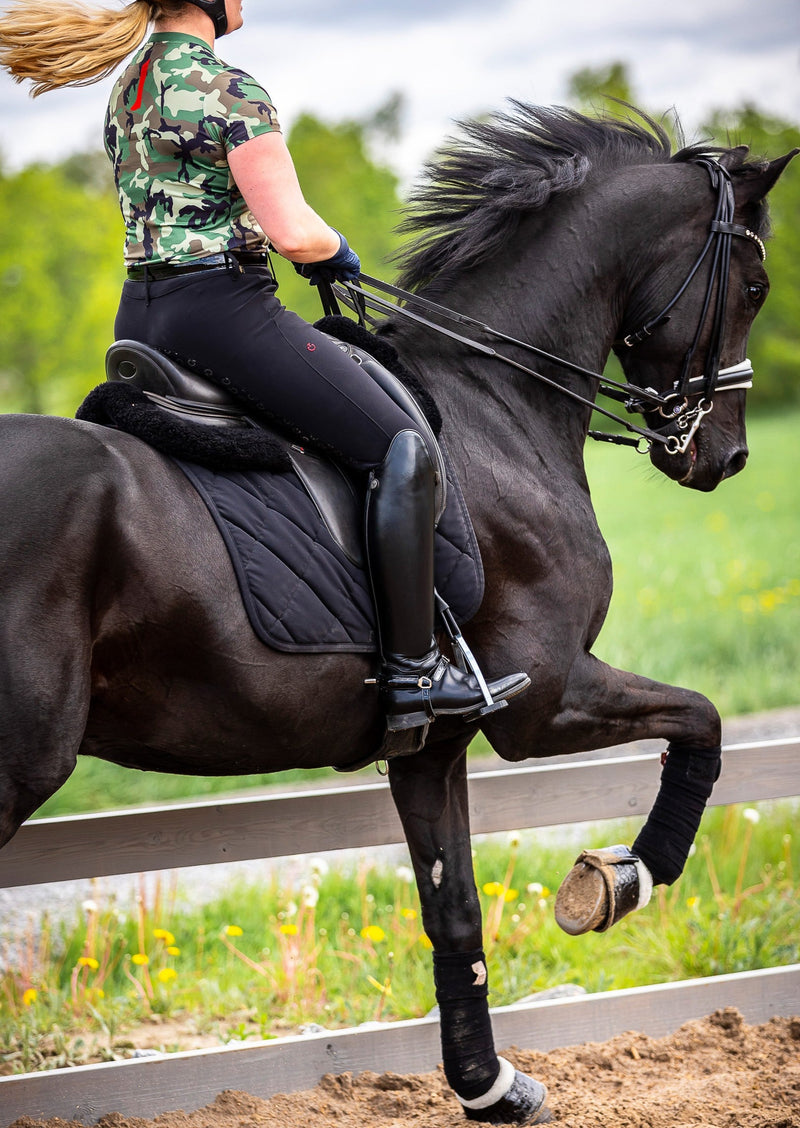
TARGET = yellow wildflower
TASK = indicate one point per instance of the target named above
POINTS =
(166, 974)
(426, 942)
(164, 934)
(494, 889)
(233, 930)
(88, 961)
(289, 929)
(173, 951)
(510, 894)
(409, 914)
(140, 959)
(30, 996)
(373, 933)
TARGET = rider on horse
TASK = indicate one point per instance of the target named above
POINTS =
(207, 187)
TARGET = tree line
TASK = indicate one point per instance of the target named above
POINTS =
(61, 247)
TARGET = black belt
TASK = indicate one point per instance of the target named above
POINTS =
(235, 260)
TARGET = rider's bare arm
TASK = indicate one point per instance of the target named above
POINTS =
(265, 174)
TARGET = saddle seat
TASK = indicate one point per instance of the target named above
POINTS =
(194, 398)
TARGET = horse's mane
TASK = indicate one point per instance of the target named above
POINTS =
(470, 198)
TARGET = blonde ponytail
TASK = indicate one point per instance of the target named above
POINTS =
(65, 44)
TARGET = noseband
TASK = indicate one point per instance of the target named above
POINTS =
(674, 405)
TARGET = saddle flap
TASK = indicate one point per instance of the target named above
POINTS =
(336, 498)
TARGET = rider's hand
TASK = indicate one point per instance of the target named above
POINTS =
(344, 266)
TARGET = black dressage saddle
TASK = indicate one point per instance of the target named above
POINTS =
(191, 398)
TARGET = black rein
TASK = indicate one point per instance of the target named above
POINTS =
(673, 405)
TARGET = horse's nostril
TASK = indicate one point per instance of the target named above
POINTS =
(737, 462)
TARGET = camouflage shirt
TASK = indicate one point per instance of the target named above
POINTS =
(174, 114)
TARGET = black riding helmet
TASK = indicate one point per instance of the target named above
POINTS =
(215, 9)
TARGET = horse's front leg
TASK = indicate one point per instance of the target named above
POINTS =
(430, 793)
(601, 706)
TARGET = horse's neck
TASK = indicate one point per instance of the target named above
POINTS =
(552, 295)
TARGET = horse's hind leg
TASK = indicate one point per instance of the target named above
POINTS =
(430, 792)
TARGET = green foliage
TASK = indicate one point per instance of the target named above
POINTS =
(707, 587)
(60, 273)
(594, 89)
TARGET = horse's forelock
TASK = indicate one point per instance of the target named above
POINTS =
(470, 199)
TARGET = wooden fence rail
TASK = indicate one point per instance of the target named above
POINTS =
(171, 837)
(307, 822)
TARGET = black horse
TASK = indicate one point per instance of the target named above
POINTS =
(123, 632)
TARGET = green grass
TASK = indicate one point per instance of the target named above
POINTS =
(707, 595)
(344, 946)
(707, 586)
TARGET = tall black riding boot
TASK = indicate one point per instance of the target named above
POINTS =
(416, 682)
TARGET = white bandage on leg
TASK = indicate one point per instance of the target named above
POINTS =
(504, 1081)
(645, 884)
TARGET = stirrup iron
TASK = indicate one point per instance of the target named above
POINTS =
(466, 660)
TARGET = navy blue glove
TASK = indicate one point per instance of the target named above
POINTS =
(344, 266)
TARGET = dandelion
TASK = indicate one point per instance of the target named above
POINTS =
(309, 896)
(164, 934)
(514, 839)
(30, 996)
(510, 894)
(233, 930)
(166, 974)
(494, 889)
(405, 874)
(319, 867)
(374, 933)
(692, 902)
(409, 914)
(88, 961)
(751, 814)
(535, 888)
(140, 959)
(289, 929)
(89, 907)
(426, 942)
(173, 951)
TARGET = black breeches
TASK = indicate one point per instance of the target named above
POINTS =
(231, 327)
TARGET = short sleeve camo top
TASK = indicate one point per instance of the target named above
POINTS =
(174, 114)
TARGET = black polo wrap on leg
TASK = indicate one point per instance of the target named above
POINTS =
(687, 781)
(470, 1063)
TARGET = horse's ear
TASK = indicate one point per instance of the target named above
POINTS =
(734, 158)
(754, 181)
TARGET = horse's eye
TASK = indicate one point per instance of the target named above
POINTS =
(756, 292)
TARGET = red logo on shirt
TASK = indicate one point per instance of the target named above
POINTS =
(140, 89)
(311, 347)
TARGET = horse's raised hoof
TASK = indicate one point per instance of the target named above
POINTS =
(523, 1102)
(601, 888)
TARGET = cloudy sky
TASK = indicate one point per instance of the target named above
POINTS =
(455, 58)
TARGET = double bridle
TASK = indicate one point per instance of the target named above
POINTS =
(674, 405)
